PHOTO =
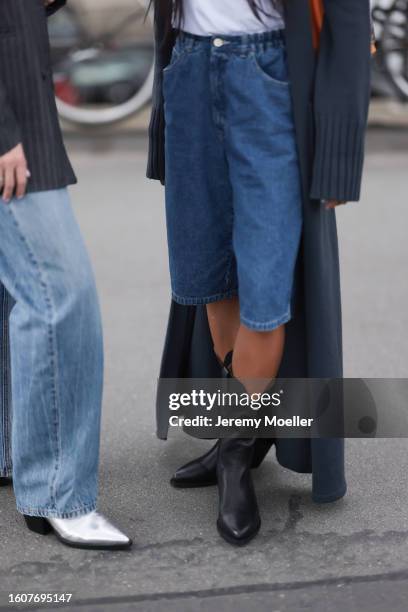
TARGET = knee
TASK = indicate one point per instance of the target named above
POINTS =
(71, 297)
(80, 295)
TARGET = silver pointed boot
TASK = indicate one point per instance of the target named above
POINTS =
(90, 531)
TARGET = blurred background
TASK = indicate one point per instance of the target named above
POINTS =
(103, 60)
(345, 556)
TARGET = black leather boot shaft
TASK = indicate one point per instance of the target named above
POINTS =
(202, 472)
(238, 519)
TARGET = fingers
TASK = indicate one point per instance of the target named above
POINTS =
(13, 174)
(15, 182)
(330, 204)
(9, 183)
(21, 181)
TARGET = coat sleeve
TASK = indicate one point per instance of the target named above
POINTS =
(10, 134)
(164, 40)
(341, 100)
(55, 6)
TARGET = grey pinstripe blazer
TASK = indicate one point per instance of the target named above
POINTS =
(28, 112)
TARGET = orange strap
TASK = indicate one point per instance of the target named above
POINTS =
(316, 8)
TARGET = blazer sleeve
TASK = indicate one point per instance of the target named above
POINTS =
(10, 134)
(341, 100)
(164, 39)
(55, 6)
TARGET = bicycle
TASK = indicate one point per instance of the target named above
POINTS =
(392, 44)
(101, 78)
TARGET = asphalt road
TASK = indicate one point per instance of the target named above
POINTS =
(349, 555)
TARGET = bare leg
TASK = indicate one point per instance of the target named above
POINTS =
(256, 360)
(257, 355)
(223, 319)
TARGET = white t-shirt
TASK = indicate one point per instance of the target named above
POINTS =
(229, 17)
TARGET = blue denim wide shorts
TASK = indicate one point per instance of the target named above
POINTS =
(233, 193)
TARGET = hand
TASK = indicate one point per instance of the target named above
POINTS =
(13, 173)
(329, 204)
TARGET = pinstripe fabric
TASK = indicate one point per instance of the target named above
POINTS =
(6, 304)
(27, 105)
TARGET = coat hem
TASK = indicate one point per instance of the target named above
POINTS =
(62, 183)
(330, 497)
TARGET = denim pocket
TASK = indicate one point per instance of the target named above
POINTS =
(176, 56)
(271, 65)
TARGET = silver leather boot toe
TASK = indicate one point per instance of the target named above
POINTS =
(92, 531)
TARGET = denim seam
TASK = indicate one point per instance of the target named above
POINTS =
(7, 399)
(195, 301)
(284, 85)
(53, 513)
(179, 55)
(269, 325)
(52, 354)
(231, 252)
(217, 95)
(227, 279)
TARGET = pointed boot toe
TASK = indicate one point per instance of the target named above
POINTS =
(91, 531)
(201, 472)
(238, 532)
(238, 520)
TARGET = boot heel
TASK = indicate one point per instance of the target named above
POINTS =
(38, 524)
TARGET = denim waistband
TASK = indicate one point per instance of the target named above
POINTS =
(241, 42)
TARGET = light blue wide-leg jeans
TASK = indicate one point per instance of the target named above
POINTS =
(51, 352)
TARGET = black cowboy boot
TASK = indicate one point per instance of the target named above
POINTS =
(202, 472)
(5, 482)
(238, 519)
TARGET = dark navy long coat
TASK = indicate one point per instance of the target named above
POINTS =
(330, 90)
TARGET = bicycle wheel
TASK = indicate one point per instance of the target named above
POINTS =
(394, 46)
(103, 73)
